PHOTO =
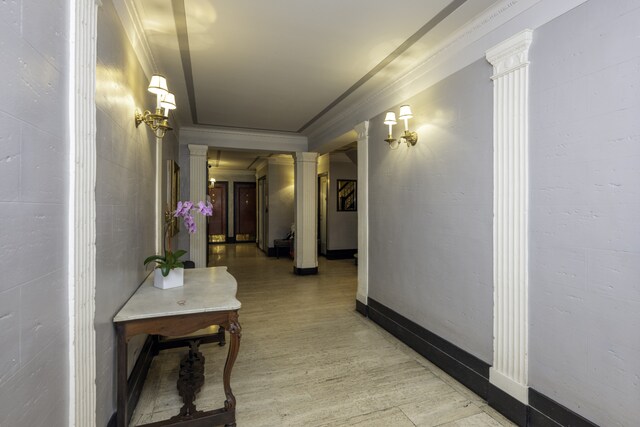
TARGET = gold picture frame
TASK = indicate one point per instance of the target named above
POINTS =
(173, 195)
(347, 195)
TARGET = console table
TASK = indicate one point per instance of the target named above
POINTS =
(208, 297)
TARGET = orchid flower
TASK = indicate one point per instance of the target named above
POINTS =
(184, 211)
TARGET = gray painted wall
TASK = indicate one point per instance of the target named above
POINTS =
(431, 210)
(281, 198)
(342, 227)
(34, 159)
(585, 210)
(125, 193)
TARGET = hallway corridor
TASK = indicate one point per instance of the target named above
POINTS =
(307, 358)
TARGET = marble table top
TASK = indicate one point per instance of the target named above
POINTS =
(205, 289)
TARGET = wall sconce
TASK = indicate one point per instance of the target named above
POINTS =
(212, 182)
(165, 101)
(411, 138)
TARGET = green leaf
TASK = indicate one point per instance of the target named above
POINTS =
(179, 253)
(165, 270)
(153, 258)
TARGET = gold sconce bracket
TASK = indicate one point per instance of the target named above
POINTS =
(411, 138)
(158, 122)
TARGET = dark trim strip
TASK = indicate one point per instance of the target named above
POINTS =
(507, 405)
(469, 370)
(472, 372)
(138, 375)
(180, 19)
(448, 10)
(340, 253)
(554, 412)
(434, 340)
(305, 271)
(362, 308)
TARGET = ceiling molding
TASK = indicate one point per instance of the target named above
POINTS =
(460, 49)
(244, 139)
(130, 19)
(280, 161)
(231, 172)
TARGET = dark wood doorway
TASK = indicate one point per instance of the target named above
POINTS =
(244, 208)
(217, 228)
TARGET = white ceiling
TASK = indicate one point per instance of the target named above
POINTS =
(278, 65)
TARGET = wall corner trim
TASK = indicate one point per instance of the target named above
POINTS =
(81, 244)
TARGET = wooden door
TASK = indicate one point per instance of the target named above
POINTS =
(217, 227)
(244, 208)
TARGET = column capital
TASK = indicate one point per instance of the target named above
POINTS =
(362, 129)
(198, 150)
(510, 54)
(305, 156)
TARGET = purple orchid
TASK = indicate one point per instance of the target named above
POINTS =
(184, 211)
(205, 209)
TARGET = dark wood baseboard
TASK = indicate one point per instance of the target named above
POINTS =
(305, 271)
(139, 374)
(508, 406)
(340, 253)
(362, 308)
(472, 372)
(464, 367)
(547, 412)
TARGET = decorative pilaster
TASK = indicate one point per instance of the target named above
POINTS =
(510, 221)
(159, 211)
(197, 191)
(306, 186)
(82, 213)
(363, 211)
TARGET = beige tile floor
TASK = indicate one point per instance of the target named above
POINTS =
(307, 358)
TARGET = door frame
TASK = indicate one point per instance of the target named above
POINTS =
(321, 177)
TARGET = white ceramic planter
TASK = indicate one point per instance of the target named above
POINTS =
(175, 279)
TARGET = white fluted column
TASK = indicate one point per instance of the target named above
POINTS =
(197, 192)
(306, 211)
(363, 211)
(510, 222)
(82, 213)
(159, 207)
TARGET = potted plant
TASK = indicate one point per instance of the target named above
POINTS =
(169, 270)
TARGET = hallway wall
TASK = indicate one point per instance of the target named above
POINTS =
(342, 227)
(431, 212)
(125, 193)
(430, 230)
(34, 165)
(585, 205)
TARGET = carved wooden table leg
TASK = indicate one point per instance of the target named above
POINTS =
(190, 379)
(235, 333)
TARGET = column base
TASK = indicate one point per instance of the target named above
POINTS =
(305, 271)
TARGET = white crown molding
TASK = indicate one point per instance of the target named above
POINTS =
(280, 161)
(463, 47)
(244, 139)
(132, 24)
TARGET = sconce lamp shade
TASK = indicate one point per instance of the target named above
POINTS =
(158, 85)
(390, 118)
(168, 102)
(405, 112)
